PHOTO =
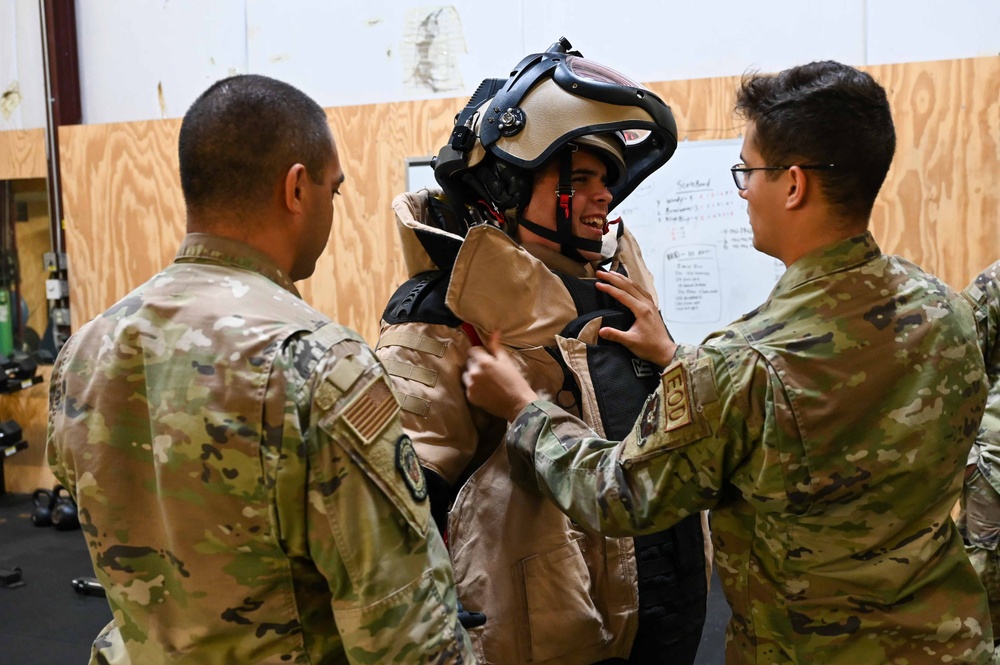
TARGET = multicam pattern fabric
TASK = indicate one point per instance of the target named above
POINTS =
(979, 524)
(827, 431)
(232, 452)
(984, 293)
(980, 518)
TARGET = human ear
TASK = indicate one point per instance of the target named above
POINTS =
(294, 187)
(797, 187)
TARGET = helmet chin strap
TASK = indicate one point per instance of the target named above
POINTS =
(563, 233)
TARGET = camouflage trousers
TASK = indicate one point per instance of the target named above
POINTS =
(979, 524)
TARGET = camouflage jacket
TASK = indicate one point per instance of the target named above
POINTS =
(244, 484)
(827, 431)
(984, 292)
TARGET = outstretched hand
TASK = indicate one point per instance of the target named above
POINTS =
(493, 382)
(648, 337)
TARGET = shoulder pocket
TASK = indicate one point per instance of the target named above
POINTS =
(360, 412)
(678, 413)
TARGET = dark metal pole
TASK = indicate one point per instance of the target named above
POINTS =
(62, 107)
(56, 235)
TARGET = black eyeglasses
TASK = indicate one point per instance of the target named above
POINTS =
(741, 172)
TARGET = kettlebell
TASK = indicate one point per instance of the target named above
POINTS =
(44, 501)
(64, 514)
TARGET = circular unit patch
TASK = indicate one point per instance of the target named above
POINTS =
(409, 468)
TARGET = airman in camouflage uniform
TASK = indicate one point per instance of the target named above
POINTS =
(244, 484)
(980, 518)
(826, 430)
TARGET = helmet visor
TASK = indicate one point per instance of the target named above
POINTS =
(593, 80)
(593, 71)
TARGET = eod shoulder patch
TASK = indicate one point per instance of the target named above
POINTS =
(676, 398)
(680, 412)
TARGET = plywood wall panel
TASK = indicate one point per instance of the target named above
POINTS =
(124, 210)
(125, 216)
(939, 205)
(125, 219)
(33, 240)
(703, 108)
(361, 266)
(22, 154)
(28, 469)
(356, 267)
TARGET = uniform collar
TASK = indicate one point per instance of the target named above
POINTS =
(835, 257)
(207, 248)
(558, 262)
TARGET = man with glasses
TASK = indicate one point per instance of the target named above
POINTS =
(741, 172)
(826, 430)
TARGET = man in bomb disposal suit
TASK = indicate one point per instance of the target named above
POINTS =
(528, 176)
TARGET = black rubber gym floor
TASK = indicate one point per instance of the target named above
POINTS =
(45, 622)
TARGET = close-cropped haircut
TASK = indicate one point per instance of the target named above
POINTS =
(244, 133)
(824, 113)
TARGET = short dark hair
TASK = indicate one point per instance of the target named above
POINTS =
(824, 113)
(243, 133)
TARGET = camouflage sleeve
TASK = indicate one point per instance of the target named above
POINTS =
(368, 524)
(984, 294)
(692, 433)
(53, 447)
(426, 361)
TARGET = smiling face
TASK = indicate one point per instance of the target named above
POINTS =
(591, 200)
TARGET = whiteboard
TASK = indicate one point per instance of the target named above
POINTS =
(420, 174)
(695, 237)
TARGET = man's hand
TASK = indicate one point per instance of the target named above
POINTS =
(493, 382)
(648, 337)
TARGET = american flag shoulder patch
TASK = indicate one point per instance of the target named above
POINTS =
(369, 413)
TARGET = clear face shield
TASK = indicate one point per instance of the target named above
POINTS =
(588, 77)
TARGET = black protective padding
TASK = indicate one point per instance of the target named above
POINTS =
(421, 299)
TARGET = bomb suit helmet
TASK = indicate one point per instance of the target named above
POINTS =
(512, 126)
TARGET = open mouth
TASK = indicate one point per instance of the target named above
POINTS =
(595, 222)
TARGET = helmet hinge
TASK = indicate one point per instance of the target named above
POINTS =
(462, 138)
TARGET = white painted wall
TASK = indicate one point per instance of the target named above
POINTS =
(22, 78)
(145, 59)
